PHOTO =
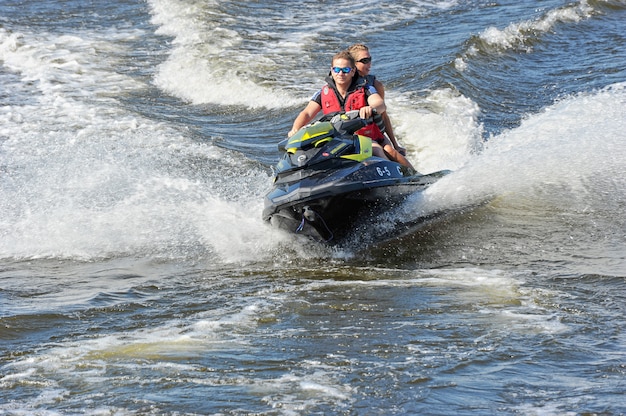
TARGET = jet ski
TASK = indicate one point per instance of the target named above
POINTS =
(328, 182)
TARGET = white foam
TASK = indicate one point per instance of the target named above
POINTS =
(443, 134)
(307, 386)
(521, 36)
(177, 350)
(516, 35)
(207, 63)
(228, 55)
(173, 340)
(84, 178)
(68, 66)
(577, 140)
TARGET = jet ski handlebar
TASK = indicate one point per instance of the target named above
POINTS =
(349, 122)
(337, 124)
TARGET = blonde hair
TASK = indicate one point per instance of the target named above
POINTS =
(357, 47)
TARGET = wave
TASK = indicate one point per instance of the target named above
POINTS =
(68, 66)
(211, 63)
(571, 151)
(262, 56)
(522, 36)
(84, 178)
(442, 129)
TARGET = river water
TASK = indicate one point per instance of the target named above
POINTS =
(137, 140)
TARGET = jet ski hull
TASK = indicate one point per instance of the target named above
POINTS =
(328, 183)
(330, 204)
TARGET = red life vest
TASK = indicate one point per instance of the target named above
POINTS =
(355, 99)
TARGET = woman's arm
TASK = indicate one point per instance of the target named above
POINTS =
(388, 128)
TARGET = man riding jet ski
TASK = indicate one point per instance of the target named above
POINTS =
(328, 181)
(346, 91)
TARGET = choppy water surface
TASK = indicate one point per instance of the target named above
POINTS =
(136, 276)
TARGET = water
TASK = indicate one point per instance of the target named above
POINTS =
(136, 277)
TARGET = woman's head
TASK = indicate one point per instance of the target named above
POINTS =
(362, 58)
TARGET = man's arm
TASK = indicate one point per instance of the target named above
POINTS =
(305, 117)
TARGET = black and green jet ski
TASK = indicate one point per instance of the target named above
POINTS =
(328, 182)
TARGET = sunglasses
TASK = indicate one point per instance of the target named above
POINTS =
(365, 60)
(345, 70)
